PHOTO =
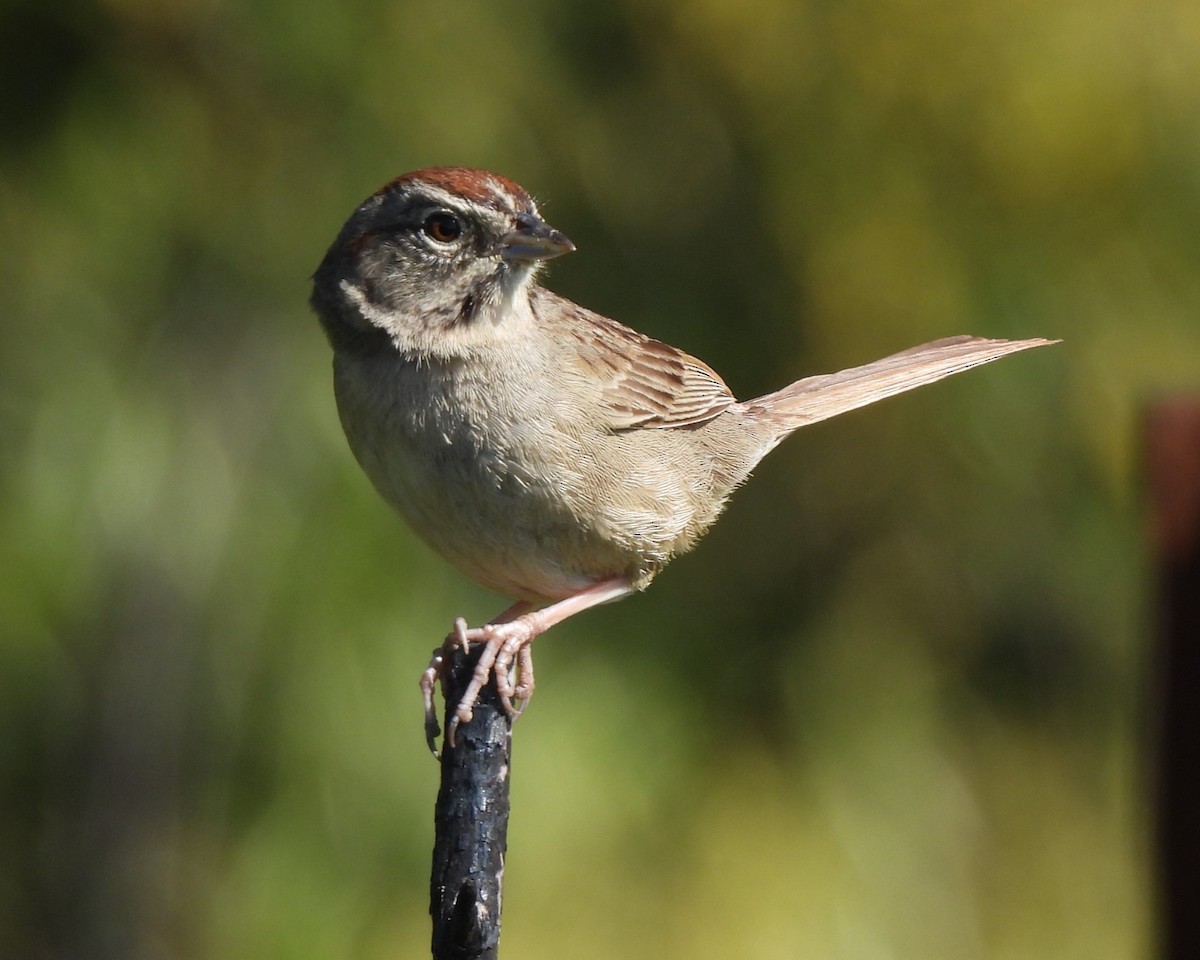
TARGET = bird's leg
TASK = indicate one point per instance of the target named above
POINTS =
(458, 637)
(505, 639)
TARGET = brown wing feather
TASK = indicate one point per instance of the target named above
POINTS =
(644, 382)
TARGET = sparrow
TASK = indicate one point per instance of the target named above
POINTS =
(550, 453)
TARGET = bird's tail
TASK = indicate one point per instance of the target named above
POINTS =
(819, 398)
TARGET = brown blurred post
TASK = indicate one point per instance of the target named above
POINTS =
(470, 823)
(1173, 478)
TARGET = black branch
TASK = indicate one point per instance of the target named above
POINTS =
(471, 822)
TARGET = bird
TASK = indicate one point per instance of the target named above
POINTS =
(550, 453)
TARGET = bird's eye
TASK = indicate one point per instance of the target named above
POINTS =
(442, 227)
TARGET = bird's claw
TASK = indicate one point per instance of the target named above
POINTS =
(504, 644)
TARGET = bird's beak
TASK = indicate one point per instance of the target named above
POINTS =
(534, 239)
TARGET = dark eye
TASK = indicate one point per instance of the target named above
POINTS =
(442, 227)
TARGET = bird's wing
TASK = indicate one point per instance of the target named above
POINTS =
(643, 382)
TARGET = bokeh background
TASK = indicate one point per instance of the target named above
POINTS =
(895, 705)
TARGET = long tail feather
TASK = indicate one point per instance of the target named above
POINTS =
(819, 398)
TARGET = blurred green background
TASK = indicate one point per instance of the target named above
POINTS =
(893, 707)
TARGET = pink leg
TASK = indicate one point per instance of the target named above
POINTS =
(433, 673)
(505, 639)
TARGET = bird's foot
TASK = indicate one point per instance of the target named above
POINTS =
(504, 644)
